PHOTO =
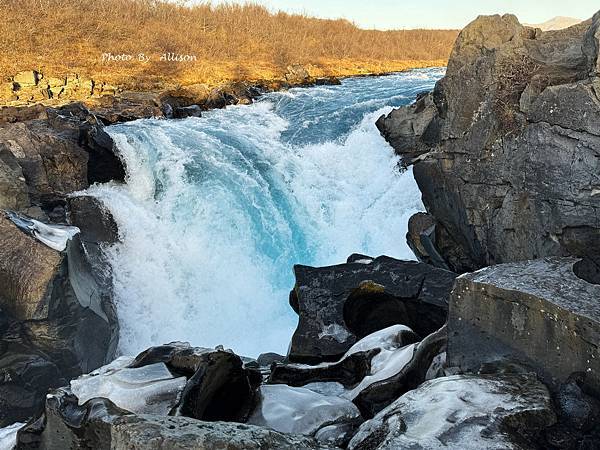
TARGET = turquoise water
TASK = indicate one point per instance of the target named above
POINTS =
(216, 210)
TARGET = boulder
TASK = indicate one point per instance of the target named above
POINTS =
(374, 372)
(49, 332)
(52, 164)
(28, 269)
(297, 75)
(26, 78)
(183, 433)
(549, 319)
(462, 412)
(181, 112)
(338, 305)
(219, 387)
(397, 372)
(100, 424)
(505, 147)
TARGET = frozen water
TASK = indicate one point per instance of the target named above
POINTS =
(299, 410)
(8, 436)
(54, 236)
(149, 389)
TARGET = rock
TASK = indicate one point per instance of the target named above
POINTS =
(48, 335)
(218, 387)
(504, 149)
(396, 372)
(182, 433)
(99, 424)
(297, 75)
(550, 318)
(591, 45)
(26, 78)
(577, 408)
(13, 189)
(578, 413)
(13, 114)
(300, 411)
(67, 425)
(373, 373)
(27, 272)
(463, 412)
(414, 127)
(349, 371)
(338, 305)
(354, 366)
(52, 164)
(266, 359)
(422, 240)
(181, 112)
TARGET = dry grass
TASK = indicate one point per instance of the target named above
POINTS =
(230, 41)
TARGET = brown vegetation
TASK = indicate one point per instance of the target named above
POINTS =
(230, 41)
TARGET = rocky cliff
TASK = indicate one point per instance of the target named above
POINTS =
(506, 149)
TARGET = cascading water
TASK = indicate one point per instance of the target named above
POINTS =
(216, 210)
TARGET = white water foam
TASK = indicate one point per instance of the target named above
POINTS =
(217, 209)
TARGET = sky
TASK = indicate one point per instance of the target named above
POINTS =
(398, 14)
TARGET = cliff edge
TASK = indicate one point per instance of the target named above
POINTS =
(506, 148)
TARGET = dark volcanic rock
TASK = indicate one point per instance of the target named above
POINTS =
(100, 424)
(348, 372)
(549, 320)
(339, 305)
(218, 388)
(66, 425)
(50, 332)
(505, 149)
(43, 158)
(462, 412)
(182, 433)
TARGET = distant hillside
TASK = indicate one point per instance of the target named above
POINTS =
(557, 23)
(227, 41)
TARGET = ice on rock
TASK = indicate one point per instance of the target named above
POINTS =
(54, 236)
(299, 410)
(384, 365)
(386, 339)
(8, 436)
(457, 412)
(391, 359)
(150, 389)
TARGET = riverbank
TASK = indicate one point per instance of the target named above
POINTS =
(34, 87)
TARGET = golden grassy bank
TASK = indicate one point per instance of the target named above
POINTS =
(229, 41)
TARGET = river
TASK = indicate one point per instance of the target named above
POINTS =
(216, 210)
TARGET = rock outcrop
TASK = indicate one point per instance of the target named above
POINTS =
(338, 305)
(505, 149)
(550, 320)
(49, 332)
(178, 396)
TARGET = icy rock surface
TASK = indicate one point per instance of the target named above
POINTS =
(54, 236)
(8, 436)
(300, 411)
(150, 389)
(458, 412)
(393, 356)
